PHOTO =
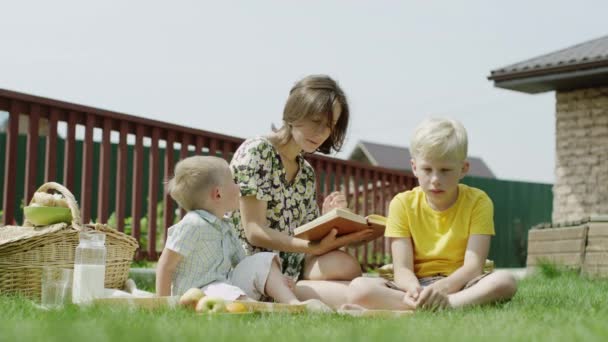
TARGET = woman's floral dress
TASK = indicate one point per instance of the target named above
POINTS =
(258, 170)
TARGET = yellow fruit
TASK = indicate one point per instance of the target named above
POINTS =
(191, 297)
(236, 308)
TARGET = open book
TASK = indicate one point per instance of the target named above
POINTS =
(344, 221)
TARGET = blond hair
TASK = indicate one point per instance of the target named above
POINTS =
(316, 95)
(439, 139)
(194, 176)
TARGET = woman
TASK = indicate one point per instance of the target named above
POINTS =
(278, 191)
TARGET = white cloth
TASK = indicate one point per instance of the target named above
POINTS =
(247, 279)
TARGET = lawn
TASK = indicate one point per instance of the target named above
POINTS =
(547, 307)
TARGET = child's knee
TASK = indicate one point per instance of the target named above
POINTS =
(506, 284)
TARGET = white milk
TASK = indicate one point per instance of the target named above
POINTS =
(88, 283)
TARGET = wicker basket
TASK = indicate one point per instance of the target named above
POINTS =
(25, 250)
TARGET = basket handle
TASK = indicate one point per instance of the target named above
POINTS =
(69, 198)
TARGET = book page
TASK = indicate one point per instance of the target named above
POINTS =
(375, 219)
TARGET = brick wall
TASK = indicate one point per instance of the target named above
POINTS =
(581, 170)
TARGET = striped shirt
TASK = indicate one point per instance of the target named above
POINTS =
(209, 247)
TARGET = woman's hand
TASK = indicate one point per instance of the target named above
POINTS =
(334, 200)
(331, 242)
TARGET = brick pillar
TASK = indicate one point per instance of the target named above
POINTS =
(581, 170)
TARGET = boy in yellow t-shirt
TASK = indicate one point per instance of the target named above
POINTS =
(440, 232)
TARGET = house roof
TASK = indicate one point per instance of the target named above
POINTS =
(578, 66)
(398, 158)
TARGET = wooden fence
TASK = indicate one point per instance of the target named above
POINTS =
(368, 189)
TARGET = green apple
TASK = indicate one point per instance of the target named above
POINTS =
(210, 305)
(42, 216)
(191, 297)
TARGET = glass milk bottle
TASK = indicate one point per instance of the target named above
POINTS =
(89, 267)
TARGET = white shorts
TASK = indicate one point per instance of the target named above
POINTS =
(248, 278)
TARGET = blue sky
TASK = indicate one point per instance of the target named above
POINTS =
(227, 66)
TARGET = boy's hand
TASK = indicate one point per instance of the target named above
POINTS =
(432, 298)
(334, 200)
(409, 302)
(413, 291)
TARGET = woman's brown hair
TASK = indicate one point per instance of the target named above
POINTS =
(314, 95)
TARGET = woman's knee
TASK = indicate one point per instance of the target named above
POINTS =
(335, 265)
(350, 267)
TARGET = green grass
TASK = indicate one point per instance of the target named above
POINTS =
(562, 307)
